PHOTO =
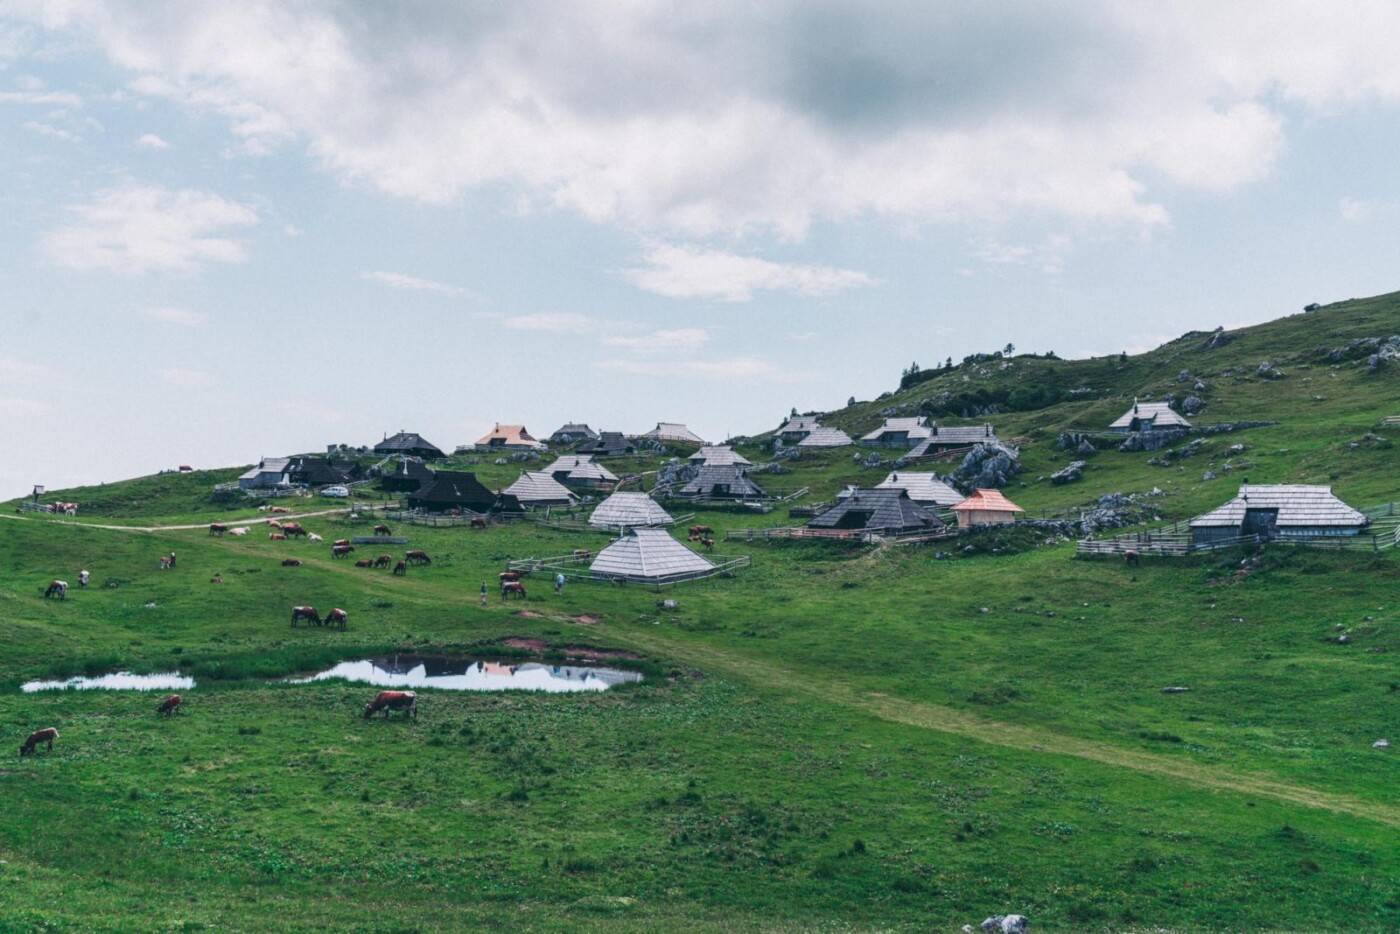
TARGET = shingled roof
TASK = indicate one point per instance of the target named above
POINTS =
(799, 424)
(629, 510)
(943, 436)
(720, 456)
(536, 488)
(728, 482)
(822, 437)
(450, 489)
(580, 468)
(923, 488)
(573, 431)
(886, 510)
(408, 442)
(672, 431)
(1298, 506)
(649, 556)
(914, 429)
(987, 501)
(1155, 414)
(608, 444)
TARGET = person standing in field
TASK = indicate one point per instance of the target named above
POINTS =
(483, 593)
(558, 583)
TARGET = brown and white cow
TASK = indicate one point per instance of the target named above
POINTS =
(338, 618)
(291, 562)
(382, 530)
(417, 557)
(340, 551)
(276, 537)
(170, 705)
(47, 735)
(57, 589)
(383, 561)
(385, 701)
(401, 569)
(307, 613)
(340, 541)
(513, 589)
(217, 528)
(365, 563)
(291, 529)
(241, 531)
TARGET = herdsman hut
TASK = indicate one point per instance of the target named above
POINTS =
(923, 488)
(1148, 416)
(729, 482)
(452, 490)
(409, 443)
(797, 427)
(581, 472)
(649, 556)
(573, 432)
(537, 488)
(719, 456)
(607, 444)
(1282, 511)
(672, 432)
(508, 438)
(629, 511)
(986, 507)
(886, 512)
(898, 432)
(405, 476)
(270, 473)
(946, 438)
(823, 437)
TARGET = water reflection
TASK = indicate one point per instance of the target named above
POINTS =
(466, 674)
(119, 681)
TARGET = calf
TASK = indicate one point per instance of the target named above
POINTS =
(276, 537)
(291, 562)
(307, 613)
(382, 530)
(401, 568)
(313, 537)
(170, 705)
(417, 557)
(240, 531)
(47, 735)
(274, 523)
(407, 701)
(365, 563)
(383, 561)
(57, 589)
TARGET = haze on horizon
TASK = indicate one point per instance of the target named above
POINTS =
(249, 229)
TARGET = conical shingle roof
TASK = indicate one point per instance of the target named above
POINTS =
(649, 556)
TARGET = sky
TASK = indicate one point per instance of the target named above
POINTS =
(235, 230)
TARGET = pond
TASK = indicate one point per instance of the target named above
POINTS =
(118, 681)
(473, 674)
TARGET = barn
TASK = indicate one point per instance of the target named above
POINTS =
(452, 489)
(409, 443)
(731, 482)
(884, 511)
(1148, 416)
(986, 507)
(629, 511)
(1279, 511)
(580, 470)
(923, 488)
(649, 556)
(537, 488)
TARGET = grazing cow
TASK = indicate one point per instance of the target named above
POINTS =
(264, 507)
(57, 589)
(240, 531)
(307, 613)
(278, 509)
(338, 618)
(383, 561)
(1130, 558)
(83, 578)
(401, 568)
(513, 588)
(341, 541)
(510, 576)
(273, 523)
(313, 537)
(186, 468)
(582, 553)
(216, 580)
(293, 528)
(417, 557)
(291, 562)
(709, 543)
(166, 563)
(216, 528)
(698, 530)
(382, 530)
(365, 563)
(170, 705)
(407, 701)
(67, 509)
(47, 735)
(478, 522)
(340, 551)
(276, 537)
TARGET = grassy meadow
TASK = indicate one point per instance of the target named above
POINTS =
(840, 737)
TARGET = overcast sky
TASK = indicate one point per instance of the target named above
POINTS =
(241, 229)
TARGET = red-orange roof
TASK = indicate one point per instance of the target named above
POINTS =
(987, 501)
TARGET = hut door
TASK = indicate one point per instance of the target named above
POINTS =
(1259, 522)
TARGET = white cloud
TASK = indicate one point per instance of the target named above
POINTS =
(694, 272)
(41, 98)
(1047, 257)
(151, 141)
(398, 280)
(136, 229)
(169, 315)
(53, 132)
(732, 369)
(675, 340)
(566, 321)
(1354, 210)
(185, 379)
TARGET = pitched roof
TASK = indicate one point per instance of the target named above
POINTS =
(649, 555)
(799, 423)
(826, 438)
(882, 510)
(672, 431)
(1298, 506)
(720, 456)
(508, 436)
(408, 442)
(321, 470)
(535, 488)
(987, 501)
(580, 467)
(573, 432)
(267, 465)
(453, 488)
(915, 428)
(1160, 414)
(942, 436)
(921, 487)
(732, 478)
(629, 510)
(607, 443)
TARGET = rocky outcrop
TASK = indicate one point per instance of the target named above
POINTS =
(1151, 440)
(987, 466)
(1070, 473)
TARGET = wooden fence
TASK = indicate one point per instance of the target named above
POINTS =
(1176, 540)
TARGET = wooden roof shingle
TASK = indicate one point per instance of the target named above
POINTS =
(647, 556)
(1298, 505)
(629, 510)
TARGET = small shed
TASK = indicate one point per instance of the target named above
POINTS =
(608, 444)
(270, 473)
(898, 432)
(573, 432)
(1279, 511)
(406, 476)
(823, 437)
(719, 456)
(986, 507)
(731, 482)
(923, 488)
(673, 432)
(1149, 416)
(798, 427)
(410, 443)
(629, 510)
(508, 438)
(946, 438)
(580, 470)
(649, 556)
(886, 511)
(537, 488)
(452, 489)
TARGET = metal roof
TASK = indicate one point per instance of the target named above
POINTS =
(535, 488)
(1298, 506)
(915, 428)
(629, 510)
(826, 438)
(987, 501)
(649, 555)
(581, 467)
(268, 465)
(1160, 414)
(886, 510)
(720, 456)
(922, 487)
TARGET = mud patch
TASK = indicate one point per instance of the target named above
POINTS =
(529, 614)
(585, 619)
(583, 652)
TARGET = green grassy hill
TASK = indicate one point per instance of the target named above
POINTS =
(839, 737)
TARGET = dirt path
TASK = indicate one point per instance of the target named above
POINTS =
(959, 723)
(280, 517)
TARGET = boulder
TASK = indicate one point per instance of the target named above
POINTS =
(1193, 405)
(1267, 370)
(1006, 924)
(1070, 473)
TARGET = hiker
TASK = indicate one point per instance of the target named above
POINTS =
(558, 583)
(483, 593)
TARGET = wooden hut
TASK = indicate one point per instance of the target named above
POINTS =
(572, 433)
(882, 511)
(898, 432)
(947, 438)
(649, 556)
(607, 444)
(581, 471)
(1279, 511)
(537, 488)
(797, 427)
(629, 511)
(672, 432)
(452, 490)
(731, 482)
(923, 488)
(508, 438)
(270, 473)
(823, 437)
(322, 471)
(406, 476)
(719, 456)
(986, 507)
(1148, 416)
(409, 443)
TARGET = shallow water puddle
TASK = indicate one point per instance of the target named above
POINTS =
(119, 681)
(469, 674)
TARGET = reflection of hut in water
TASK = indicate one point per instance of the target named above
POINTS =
(649, 556)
